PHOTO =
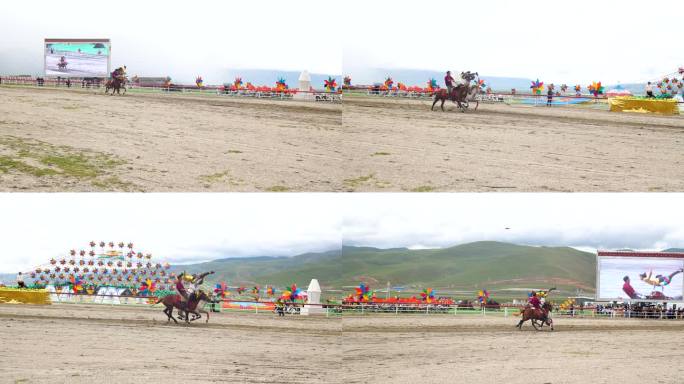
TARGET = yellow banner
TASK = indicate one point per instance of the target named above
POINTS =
(24, 296)
(632, 104)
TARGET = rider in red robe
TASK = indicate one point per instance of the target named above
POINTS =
(449, 82)
(534, 301)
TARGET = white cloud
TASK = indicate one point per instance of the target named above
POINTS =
(173, 227)
(184, 228)
(578, 41)
(180, 38)
(587, 221)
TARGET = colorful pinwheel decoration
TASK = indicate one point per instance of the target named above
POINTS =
(481, 84)
(432, 85)
(389, 82)
(281, 85)
(363, 292)
(596, 88)
(330, 84)
(564, 87)
(347, 81)
(296, 292)
(291, 293)
(200, 83)
(221, 289)
(237, 83)
(401, 86)
(537, 87)
(241, 289)
(147, 288)
(483, 296)
(255, 290)
(270, 291)
(76, 284)
(428, 295)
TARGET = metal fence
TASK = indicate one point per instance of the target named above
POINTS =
(315, 95)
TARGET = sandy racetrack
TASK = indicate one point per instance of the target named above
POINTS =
(76, 343)
(400, 145)
(87, 141)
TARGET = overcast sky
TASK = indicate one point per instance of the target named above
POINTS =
(179, 38)
(584, 221)
(570, 42)
(177, 228)
(182, 228)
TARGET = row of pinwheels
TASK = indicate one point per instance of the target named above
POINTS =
(290, 293)
(330, 84)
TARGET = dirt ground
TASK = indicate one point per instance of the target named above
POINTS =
(400, 145)
(73, 140)
(84, 344)
(100, 344)
(58, 140)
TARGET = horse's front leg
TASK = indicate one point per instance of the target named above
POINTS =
(442, 106)
(433, 104)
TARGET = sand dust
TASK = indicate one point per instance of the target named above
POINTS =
(169, 142)
(84, 344)
(400, 145)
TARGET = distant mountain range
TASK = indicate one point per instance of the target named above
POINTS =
(485, 264)
(420, 78)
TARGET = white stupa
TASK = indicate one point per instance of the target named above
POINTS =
(304, 81)
(304, 87)
(313, 302)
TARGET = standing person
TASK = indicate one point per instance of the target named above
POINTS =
(20, 280)
(449, 82)
(649, 90)
(549, 97)
(280, 307)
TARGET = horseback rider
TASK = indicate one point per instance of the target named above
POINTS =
(186, 284)
(119, 74)
(449, 82)
(180, 287)
(534, 301)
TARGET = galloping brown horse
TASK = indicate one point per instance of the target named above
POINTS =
(534, 315)
(459, 94)
(174, 301)
(115, 84)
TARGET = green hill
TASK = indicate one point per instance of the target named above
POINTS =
(505, 268)
(486, 264)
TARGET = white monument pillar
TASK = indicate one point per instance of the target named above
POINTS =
(304, 81)
(313, 302)
(304, 87)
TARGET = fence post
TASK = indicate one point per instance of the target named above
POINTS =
(505, 311)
